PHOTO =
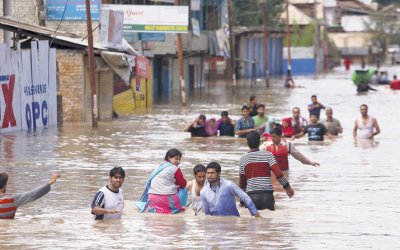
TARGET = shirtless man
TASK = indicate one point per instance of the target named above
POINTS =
(367, 126)
(195, 186)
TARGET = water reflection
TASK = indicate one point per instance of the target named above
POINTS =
(365, 143)
(8, 145)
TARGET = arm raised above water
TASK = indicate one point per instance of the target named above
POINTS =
(25, 198)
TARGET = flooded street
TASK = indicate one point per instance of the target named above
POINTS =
(351, 201)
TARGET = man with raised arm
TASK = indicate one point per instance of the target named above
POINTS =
(10, 202)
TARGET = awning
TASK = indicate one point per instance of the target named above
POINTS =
(57, 37)
(120, 63)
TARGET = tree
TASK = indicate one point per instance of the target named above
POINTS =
(248, 12)
(386, 2)
(385, 27)
(302, 37)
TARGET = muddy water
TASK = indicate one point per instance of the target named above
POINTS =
(351, 201)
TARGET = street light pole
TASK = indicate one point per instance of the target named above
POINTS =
(92, 78)
(289, 67)
(263, 6)
(181, 69)
(317, 43)
(7, 12)
(41, 12)
(232, 46)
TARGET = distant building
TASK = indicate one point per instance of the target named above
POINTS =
(347, 23)
(250, 62)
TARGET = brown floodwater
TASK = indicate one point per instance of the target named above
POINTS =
(351, 201)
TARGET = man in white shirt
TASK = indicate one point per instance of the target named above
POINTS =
(109, 200)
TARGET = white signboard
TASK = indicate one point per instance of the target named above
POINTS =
(195, 5)
(153, 18)
(111, 23)
(28, 98)
(195, 27)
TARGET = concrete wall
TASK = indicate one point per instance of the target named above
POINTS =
(356, 23)
(70, 66)
(105, 94)
(350, 39)
(303, 62)
(299, 52)
(305, 66)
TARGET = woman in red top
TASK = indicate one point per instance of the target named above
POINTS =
(287, 127)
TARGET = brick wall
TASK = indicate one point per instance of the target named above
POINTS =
(27, 11)
(23, 10)
(71, 82)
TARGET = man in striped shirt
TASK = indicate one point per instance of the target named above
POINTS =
(255, 174)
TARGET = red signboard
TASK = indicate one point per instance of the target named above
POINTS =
(142, 67)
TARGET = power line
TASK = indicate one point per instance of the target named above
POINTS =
(62, 19)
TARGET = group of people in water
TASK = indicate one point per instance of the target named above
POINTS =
(254, 119)
(377, 78)
(167, 191)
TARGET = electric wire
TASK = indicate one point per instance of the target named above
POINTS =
(62, 19)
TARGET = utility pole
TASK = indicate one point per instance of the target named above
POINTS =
(232, 46)
(92, 78)
(181, 70)
(40, 4)
(7, 12)
(316, 38)
(264, 7)
(288, 39)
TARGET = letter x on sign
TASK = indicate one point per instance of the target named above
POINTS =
(8, 92)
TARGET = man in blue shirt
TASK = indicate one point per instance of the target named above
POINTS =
(315, 107)
(245, 124)
(218, 195)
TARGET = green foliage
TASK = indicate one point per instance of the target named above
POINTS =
(385, 28)
(386, 2)
(245, 13)
(249, 12)
(302, 37)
